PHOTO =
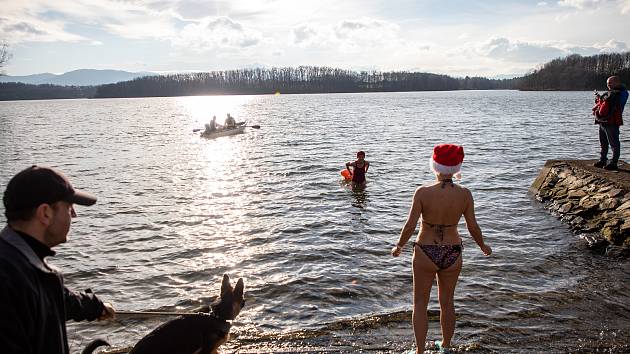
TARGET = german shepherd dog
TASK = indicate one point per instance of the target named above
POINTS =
(198, 333)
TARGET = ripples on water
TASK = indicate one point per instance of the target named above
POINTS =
(177, 211)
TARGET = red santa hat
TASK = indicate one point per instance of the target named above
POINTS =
(447, 159)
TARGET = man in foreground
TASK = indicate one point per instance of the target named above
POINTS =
(34, 303)
(608, 112)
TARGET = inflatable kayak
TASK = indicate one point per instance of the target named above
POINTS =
(223, 132)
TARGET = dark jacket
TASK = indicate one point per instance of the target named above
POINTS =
(609, 107)
(34, 303)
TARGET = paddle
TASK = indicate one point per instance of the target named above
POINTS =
(248, 126)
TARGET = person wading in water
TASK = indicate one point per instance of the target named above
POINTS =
(359, 169)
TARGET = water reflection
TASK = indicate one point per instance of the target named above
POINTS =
(359, 193)
(360, 196)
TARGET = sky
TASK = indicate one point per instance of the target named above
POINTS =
(457, 38)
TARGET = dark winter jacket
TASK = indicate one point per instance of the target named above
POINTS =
(34, 303)
(609, 107)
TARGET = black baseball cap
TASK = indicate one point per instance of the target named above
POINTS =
(38, 185)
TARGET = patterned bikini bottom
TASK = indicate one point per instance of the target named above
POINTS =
(443, 256)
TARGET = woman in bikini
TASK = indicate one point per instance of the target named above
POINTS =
(437, 250)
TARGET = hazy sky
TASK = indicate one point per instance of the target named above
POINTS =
(458, 38)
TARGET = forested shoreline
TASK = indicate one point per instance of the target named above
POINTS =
(578, 73)
(300, 80)
(572, 73)
(13, 91)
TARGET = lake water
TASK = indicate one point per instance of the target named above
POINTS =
(177, 211)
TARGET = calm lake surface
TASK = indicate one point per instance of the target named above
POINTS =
(177, 211)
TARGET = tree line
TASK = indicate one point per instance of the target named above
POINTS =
(578, 73)
(10, 91)
(303, 79)
(573, 72)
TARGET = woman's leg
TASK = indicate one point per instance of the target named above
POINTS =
(447, 280)
(423, 275)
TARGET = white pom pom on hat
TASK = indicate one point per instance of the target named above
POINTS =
(447, 159)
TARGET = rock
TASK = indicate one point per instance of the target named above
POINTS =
(560, 193)
(612, 223)
(565, 208)
(587, 199)
(577, 193)
(594, 241)
(605, 189)
(578, 221)
(592, 226)
(569, 180)
(614, 192)
(578, 183)
(554, 205)
(609, 234)
(588, 203)
(607, 204)
(590, 188)
(545, 194)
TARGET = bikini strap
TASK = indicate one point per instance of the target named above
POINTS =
(448, 180)
(440, 225)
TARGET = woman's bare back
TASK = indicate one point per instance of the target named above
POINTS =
(443, 205)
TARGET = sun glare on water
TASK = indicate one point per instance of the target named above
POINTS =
(219, 182)
(202, 108)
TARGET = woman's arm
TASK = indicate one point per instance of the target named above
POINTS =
(410, 224)
(473, 227)
(348, 164)
(367, 165)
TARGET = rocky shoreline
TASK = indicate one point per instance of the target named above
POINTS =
(593, 201)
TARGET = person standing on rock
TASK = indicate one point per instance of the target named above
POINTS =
(608, 112)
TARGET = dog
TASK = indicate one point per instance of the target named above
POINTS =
(202, 332)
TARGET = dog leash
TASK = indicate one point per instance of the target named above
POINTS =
(155, 313)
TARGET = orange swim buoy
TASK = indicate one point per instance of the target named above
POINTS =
(347, 175)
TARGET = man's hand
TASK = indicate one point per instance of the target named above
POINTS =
(109, 313)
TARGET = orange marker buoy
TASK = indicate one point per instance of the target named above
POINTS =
(347, 175)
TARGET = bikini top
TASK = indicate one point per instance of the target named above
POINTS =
(439, 228)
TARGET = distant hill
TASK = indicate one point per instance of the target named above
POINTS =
(82, 77)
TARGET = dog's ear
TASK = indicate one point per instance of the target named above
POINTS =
(238, 289)
(226, 288)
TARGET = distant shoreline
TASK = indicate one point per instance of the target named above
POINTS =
(573, 73)
(268, 94)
